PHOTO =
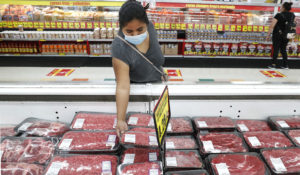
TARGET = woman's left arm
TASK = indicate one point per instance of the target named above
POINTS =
(274, 22)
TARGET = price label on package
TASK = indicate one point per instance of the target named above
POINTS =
(133, 121)
(169, 129)
(283, 124)
(152, 140)
(278, 164)
(171, 161)
(298, 139)
(222, 169)
(130, 138)
(152, 157)
(170, 145)
(111, 141)
(65, 144)
(243, 127)
(153, 172)
(129, 158)
(25, 126)
(202, 124)
(79, 123)
(54, 168)
(208, 146)
(106, 167)
(151, 122)
(254, 141)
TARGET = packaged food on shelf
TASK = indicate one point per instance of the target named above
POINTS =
(151, 168)
(267, 139)
(187, 172)
(7, 130)
(294, 136)
(14, 47)
(214, 124)
(140, 119)
(182, 160)
(284, 122)
(252, 125)
(237, 163)
(282, 161)
(96, 49)
(15, 168)
(89, 142)
(139, 155)
(43, 128)
(94, 121)
(180, 126)
(28, 149)
(189, 49)
(142, 129)
(221, 143)
(70, 164)
(234, 49)
(180, 142)
(171, 49)
(65, 49)
(139, 139)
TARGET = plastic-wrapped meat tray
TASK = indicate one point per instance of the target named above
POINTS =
(89, 142)
(180, 126)
(139, 139)
(285, 122)
(94, 121)
(27, 149)
(142, 129)
(237, 164)
(82, 165)
(221, 143)
(42, 128)
(188, 172)
(181, 142)
(214, 124)
(252, 125)
(267, 139)
(7, 130)
(147, 168)
(140, 119)
(139, 155)
(283, 160)
(182, 160)
(14, 168)
(294, 136)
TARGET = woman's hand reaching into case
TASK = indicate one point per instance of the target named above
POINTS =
(121, 128)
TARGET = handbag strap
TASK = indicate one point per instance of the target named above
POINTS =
(141, 55)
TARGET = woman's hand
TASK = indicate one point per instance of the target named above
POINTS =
(121, 128)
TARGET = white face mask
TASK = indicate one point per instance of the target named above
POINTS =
(137, 39)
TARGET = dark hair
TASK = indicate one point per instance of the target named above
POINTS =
(287, 6)
(131, 10)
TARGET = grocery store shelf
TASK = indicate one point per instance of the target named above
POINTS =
(227, 57)
(173, 56)
(172, 40)
(226, 41)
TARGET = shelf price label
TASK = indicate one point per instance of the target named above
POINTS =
(25, 24)
(233, 28)
(178, 26)
(65, 25)
(96, 25)
(47, 25)
(208, 27)
(108, 24)
(197, 26)
(4, 24)
(214, 27)
(89, 25)
(227, 27)
(255, 28)
(183, 26)
(162, 25)
(102, 25)
(58, 25)
(261, 28)
(15, 24)
(114, 25)
(250, 28)
(202, 26)
(239, 28)
(41, 25)
(220, 27)
(71, 25)
(10, 24)
(35, 25)
(156, 26)
(77, 25)
(245, 28)
(83, 25)
(1, 24)
(167, 25)
(190, 26)
(30, 25)
(267, 28)
(173, 26)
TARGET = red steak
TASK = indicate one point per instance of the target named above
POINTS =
(221, 143)
(94, 121)
(183, 159)
(288, 122)
(180, 125)
(214, 123)
(139, 139)
(140, 119)
(7, 131)
(283, 161)
(267, 139)
(252, 125)
(82, 165)
(140, 155)
(12, 168)
(180, 142)
(187, 172)
(142, 169)
(142, 129)
(88, 141)
(295, 136)
(237, 164)
(28, 150)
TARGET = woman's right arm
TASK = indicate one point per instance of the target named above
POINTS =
(121, 70)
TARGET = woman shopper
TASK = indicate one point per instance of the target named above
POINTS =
(280, 41)
(136, 56)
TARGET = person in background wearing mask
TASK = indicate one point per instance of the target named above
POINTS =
(129, 66)
(279, 41)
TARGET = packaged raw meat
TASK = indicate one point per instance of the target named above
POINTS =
(252, 125)
(142, 129)
(214, 124)
(188, 172)
(180, 126)
(139, 155)
(150, 168)
(7, 130)
(266, 139)
(27, 149)
(285, 122)
(221, 143)
(94, 121)
(139, 139)
(13, 168)
(294, 136)
(42, 128)
(140, 119)
(89, 142)
(180, 142)
(237, 164)
(282, 161)
(182, 160)
(82, 165)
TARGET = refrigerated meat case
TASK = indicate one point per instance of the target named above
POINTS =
(186, 29)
